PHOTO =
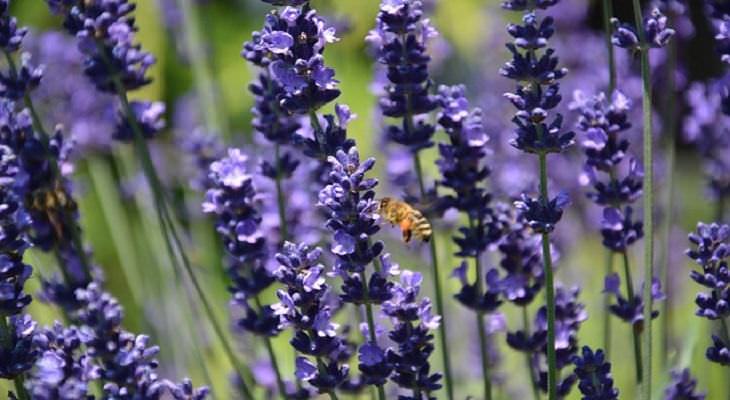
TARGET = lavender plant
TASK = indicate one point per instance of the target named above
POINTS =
(465, 174)
(537, 92)
(647, 33)
(400, 38)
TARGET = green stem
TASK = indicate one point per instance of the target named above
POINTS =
(634, 330)
(170, 230)
(486, 380)
(528, 356)
(607, 15)
(6, 340)
(443, 336)
(648, 201)
(281, 204)
(720, 209)
(317, 127)
(606, 312)
(549, 290)
(670, 150)
(274, 363)
(371, 320)
(213, 112)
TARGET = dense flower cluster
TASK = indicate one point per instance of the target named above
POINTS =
(710, 252)
(569, 314)
(656, 33)
(290, 47)
(412, 335)
(113, 61)
(232, 199)
(303, 306)
(594, 375)
(534, 67)
(400, 38)
(606, 151)
(521, 259)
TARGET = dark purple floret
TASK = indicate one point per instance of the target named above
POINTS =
(201, 149)
(656, 32)
(268, 118)
(400, 38)
(232, 199)
(594, 375)
(469, 295)
(541, 215)
(719, 352)
(150, 119)
(19, 353)
(619, 230)
(16, 83)
(682, 387)
(374, 364)
(10, 35)
(630, 310)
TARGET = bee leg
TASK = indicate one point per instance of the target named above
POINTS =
(407, 235)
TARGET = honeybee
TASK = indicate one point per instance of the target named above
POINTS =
(411, 221)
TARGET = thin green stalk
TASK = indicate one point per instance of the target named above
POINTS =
(606, 312)
(272, 357)
(607, 15)
(443, 336)
(6, 338)
(648, 200)
(670, 151)
(371, 320)
(213, 112)
(528, 359)
(170, 231)
(281, 205)
(635, 332)
(549, 290)
(320, 366)
(720, 209)
(486, 379)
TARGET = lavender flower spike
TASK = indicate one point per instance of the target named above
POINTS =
(594, 374)
(711, 252)
(682, 387)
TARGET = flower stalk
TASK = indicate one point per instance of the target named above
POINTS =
(648, 201)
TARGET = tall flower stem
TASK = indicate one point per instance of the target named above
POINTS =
(607, 15)
(280, 202)
(6, 338)
(272, 356)
(486, 380)
(648, 200)
(443, 337)
(528, 359)
(549, 288)
(636, 334)
(202, 77)
(671, 155)
(172, 240)
(606, 304)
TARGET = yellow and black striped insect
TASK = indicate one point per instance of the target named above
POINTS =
(410, 220)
